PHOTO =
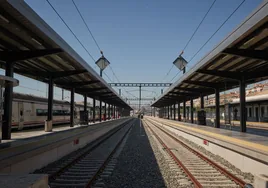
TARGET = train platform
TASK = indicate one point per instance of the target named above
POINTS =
(237, 147)
(33, 149)
(255, 128)
(34, 132)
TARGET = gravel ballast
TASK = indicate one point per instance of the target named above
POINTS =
(138, 164)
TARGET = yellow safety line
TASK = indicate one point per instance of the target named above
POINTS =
(223, 137)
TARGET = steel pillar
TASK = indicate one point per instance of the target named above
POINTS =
(114, 112)
(7, 118)
(184, 110)
(48, 122)
(242, 91)
(217, 108)
(202, 102)
(94, 111)
(174, 109)
(72, 108)
(192, 111)
(140, 98)
(168, 112)
(100, 116)
(109, 111)
(105, 112)
(179, 111)
(85, 109)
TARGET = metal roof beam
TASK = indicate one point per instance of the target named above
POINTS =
(183, 93)
(202, 84)
(12, 56)
(60, 74)
(140, 84)
(88, 90)
(249, 53)
(224, 74)
(195, 90)
(78, 84)
(57, 74)
(253, 75)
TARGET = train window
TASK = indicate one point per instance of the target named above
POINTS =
(250, 112)
(39, 112)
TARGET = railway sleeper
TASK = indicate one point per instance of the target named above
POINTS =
(221, 185)
(78, 185)
(74, 177)
(59, 180)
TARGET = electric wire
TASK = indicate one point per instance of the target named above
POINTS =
(70, 30)
(199, 25)
(78, 39)
(204, 17)
(91, 34)
(86, 25)
(217, 30)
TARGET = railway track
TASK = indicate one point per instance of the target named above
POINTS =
(82, 168)
(199, 170)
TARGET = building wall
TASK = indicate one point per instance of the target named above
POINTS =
(256, 111)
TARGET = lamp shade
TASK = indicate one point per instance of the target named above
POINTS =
(102, 63)
(180, 62)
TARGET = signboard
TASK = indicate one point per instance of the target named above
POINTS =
(205, 142)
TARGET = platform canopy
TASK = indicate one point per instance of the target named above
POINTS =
(242, 55)
(40, 53)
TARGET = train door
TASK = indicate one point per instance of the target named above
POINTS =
(20, 115)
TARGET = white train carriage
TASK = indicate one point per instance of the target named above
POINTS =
(30, 111)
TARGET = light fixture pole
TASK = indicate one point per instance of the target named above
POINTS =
(180, 63)
(102, 63)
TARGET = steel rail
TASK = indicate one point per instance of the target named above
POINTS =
(228, 174)
(107, 159)
(179, 163)
(104, 138)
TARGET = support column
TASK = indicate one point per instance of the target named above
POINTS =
(217, 106)
(7, 118)
(168, 112)
(48, 123)
(184, 110)
(105, 112)
(100, 116)
(72, 108)
(114, 112)
(202, 102)
(174, 109)
(242, 91)
(85, 109)
(109, 110)
(140, 98)
(179, 111)
(94, 110)
(192, 111)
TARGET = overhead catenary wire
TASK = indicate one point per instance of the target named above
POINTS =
(86, 25)
(188, 42)
(217, 30)
(199, 25)
(98, 46)
(70, 30)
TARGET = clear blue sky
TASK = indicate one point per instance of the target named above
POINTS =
(141, 38)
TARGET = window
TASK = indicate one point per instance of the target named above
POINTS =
(44, 112)
(250, 112)
(41, 112)
(262, 111)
